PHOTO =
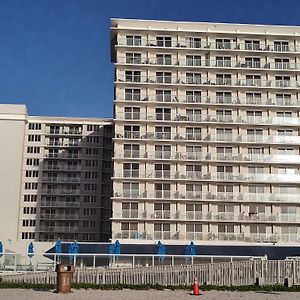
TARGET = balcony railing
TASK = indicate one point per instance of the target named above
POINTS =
(60, 203)
(59, 216)
(203, 81)
(196, 156)
(269, 139)
(204, 118)
(190, 99)
(220, 176)
(58, 229)
(231, 64)
(213, 45)
(224, 196)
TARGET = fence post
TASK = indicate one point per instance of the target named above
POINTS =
(133, 260)
(278, 271)
(103, 276)
(94, 261)
(232, 273)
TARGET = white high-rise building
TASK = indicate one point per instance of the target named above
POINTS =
(207, 134)
(55, 177)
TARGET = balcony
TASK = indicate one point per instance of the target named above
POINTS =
(59, 216)
(60, 203)
(210, 64)
(212, 45)
(195, 99)
(215, 82)
(62, 229)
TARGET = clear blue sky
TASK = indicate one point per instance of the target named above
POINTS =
(55, 54)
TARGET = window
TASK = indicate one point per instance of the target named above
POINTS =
(223, 97)
(162, 211)
(193, 78)
(193, 60)
(34, 138)
(252, 62)
(90, 139)
(133, 40)
(131, 189)
(34, 126)
(162, 190)
(225, 191)
(30, 198)
(90, 199)
(285, 132)
(132, 94)
(193, 96)
(224, 153)
(223, 79)
(193, 191)
(163, 114)
(224, 115)
(223, 61)
(162, 170)
(88, 175)
(163, 132)
(131, 169)
(88, 163)
(163, 151)
(28, 223)
(29, 210)
(32, 162)
(193, 152)
(254, 135)
(252, 45)
(130, 210)
(133, 58)
(30, 173)
(281, 46)
(89, 224)
(193, 115)
(225, 172)
(132, 76)
(90, 211)
(90, 151)
(164, 59)
(31, 185)
(55, 129)
(131, 131)
(223, 44)
(164, 41)
(162, 231)
(256, 170)
(256, 189)
(193, 133)
(284, 114)
(286, 170)
(283, 81)
(33, 149)
(129, 230)
(163, 77)
(284, 99)
(163, 95)
(132, 113)
(193, 42)
(253, 98)
(28, 235)
(193, 231)
(194, 171)
(93, 127)
(225, 229)
(224, 134)
(253, 80)
(285, 151)
(254, 115)
(282, 63)
(131, 150)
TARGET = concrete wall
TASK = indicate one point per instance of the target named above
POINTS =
(12, 126)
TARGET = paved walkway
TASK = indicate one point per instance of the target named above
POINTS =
(19, 294)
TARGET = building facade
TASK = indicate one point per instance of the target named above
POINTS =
(206, 144)
(63, 171)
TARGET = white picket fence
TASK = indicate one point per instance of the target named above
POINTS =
(227, 273)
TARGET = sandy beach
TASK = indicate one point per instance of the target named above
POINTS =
(16, 294)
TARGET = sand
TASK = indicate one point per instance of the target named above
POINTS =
(16, 294)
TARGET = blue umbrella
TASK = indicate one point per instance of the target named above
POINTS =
(117, 248)
(58, 246)
(30, 250)
(192, 249)
(161, 251)
(1, 249)
(71, 251)
(111, 250)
